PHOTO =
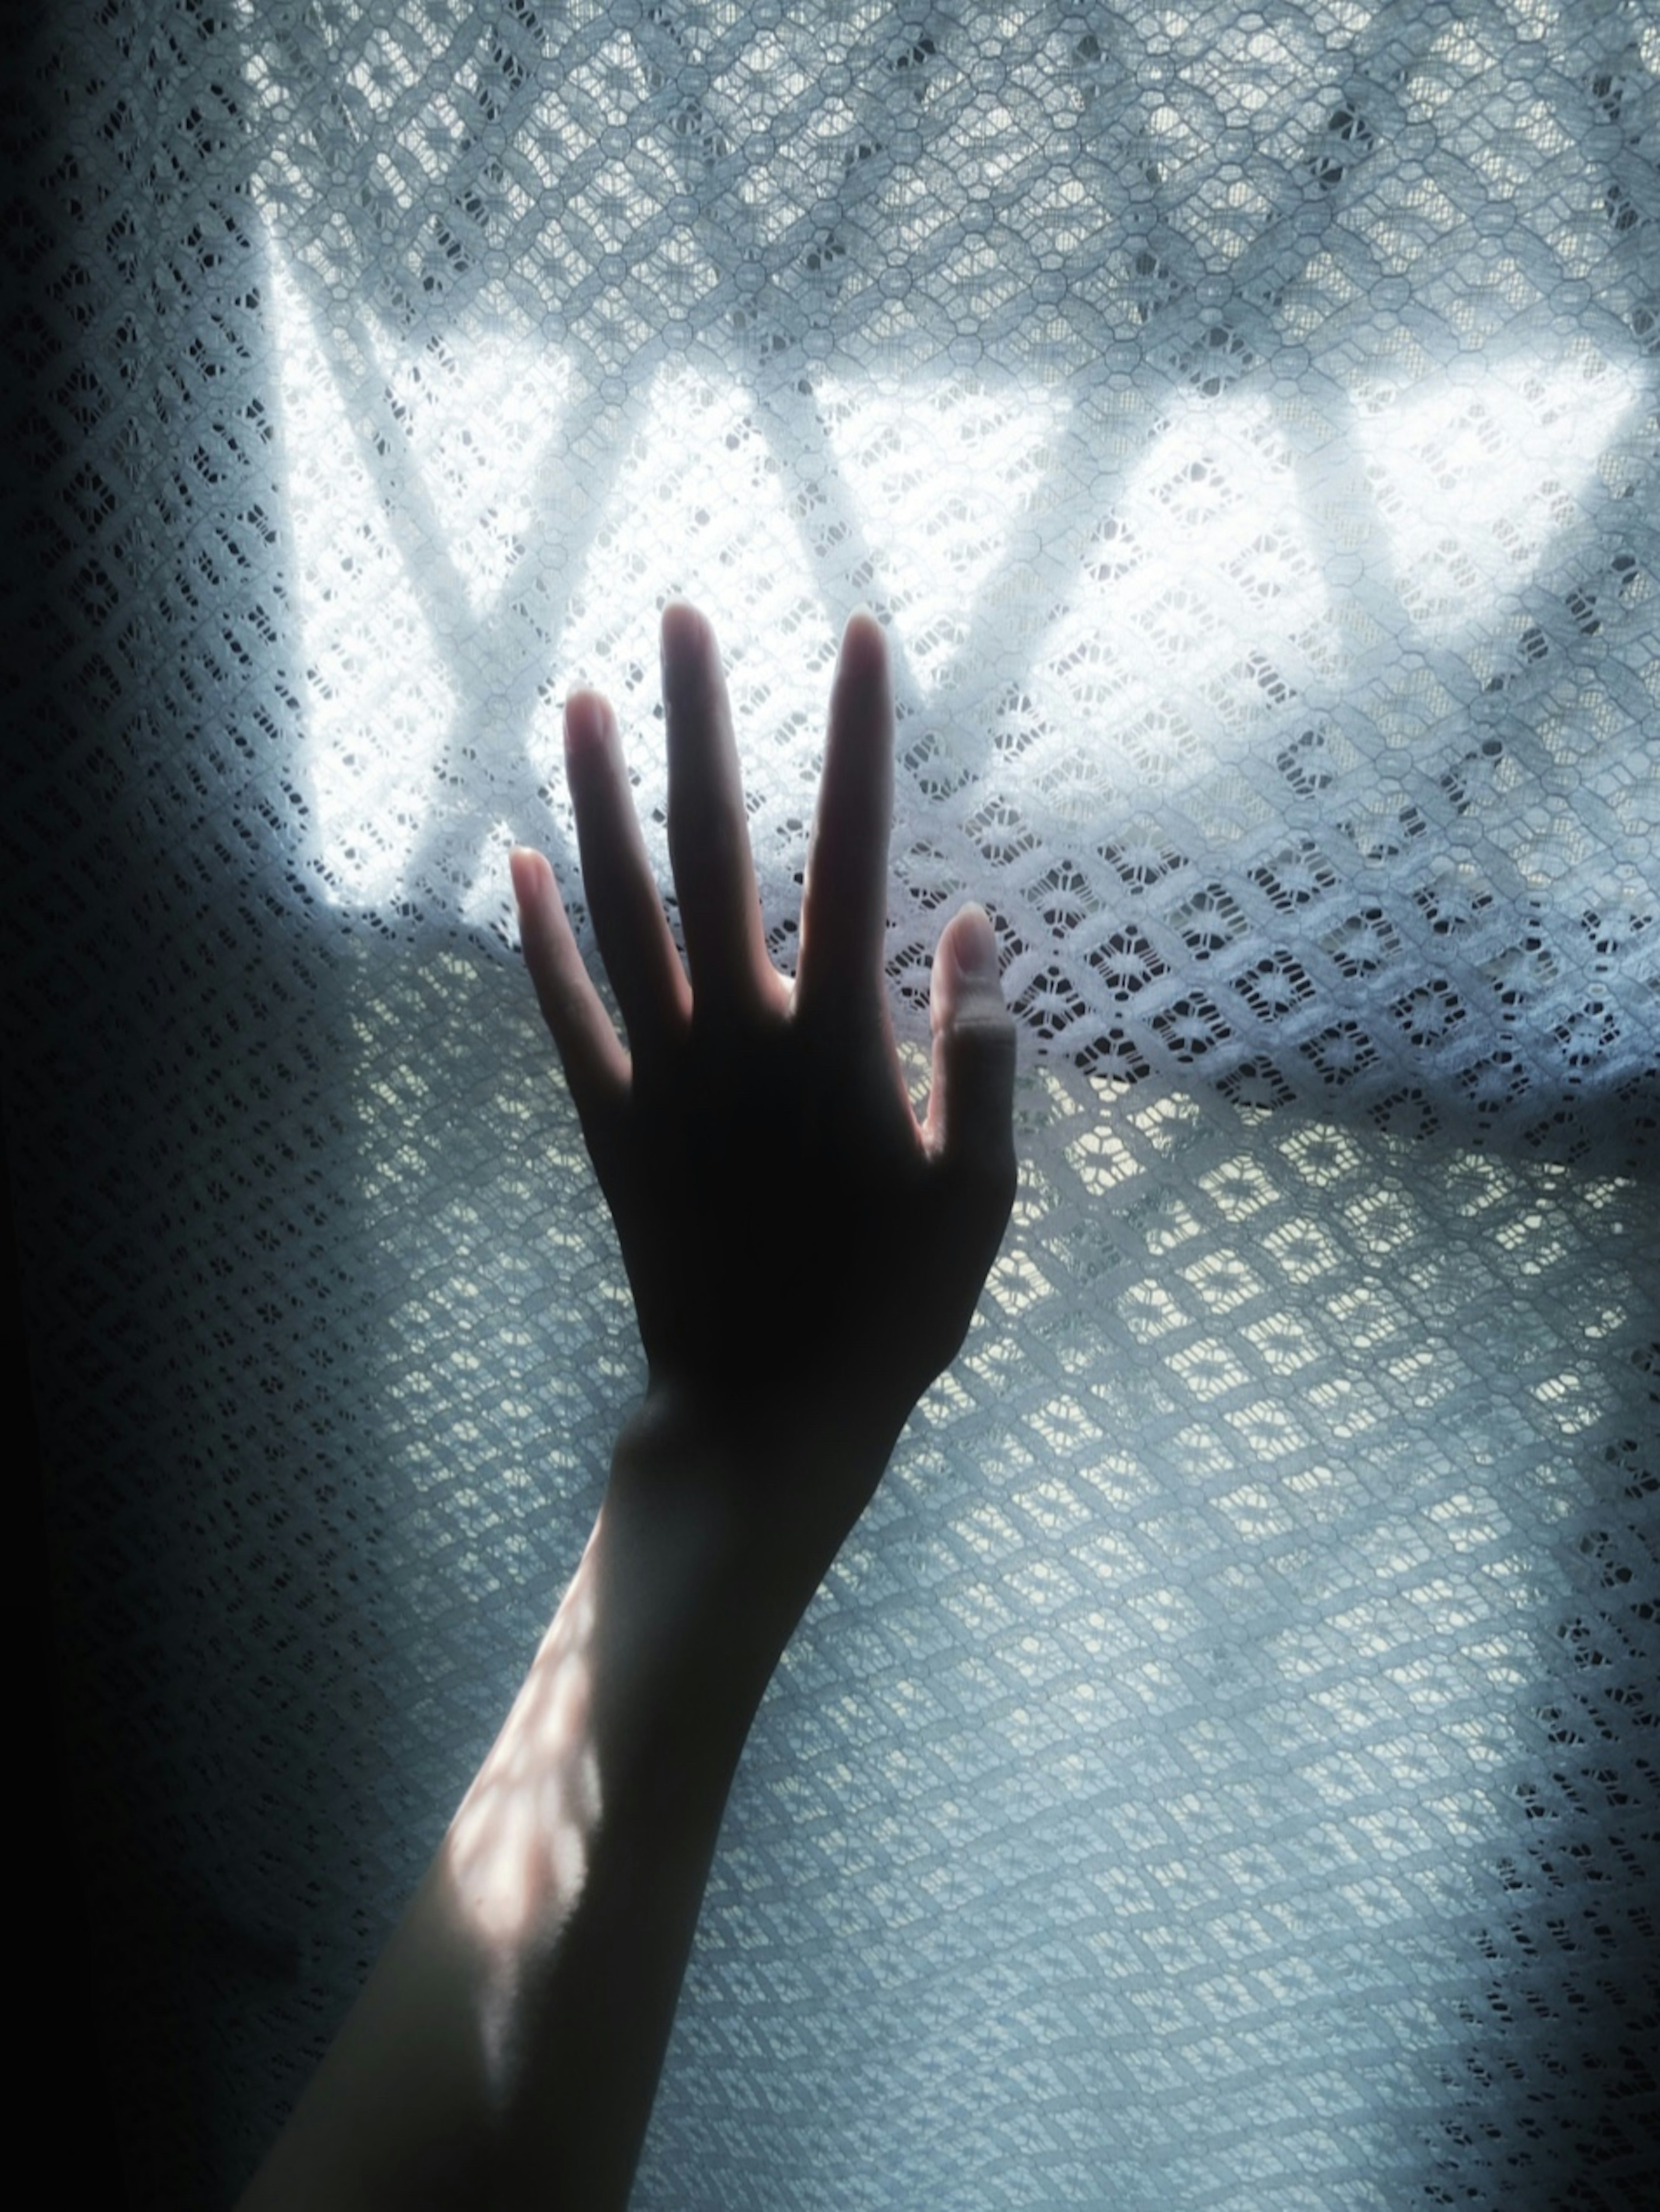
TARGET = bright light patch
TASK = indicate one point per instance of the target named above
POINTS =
(1201, 618)
(939, 477)
(700, 507)
(478, 420)
(413, 492)
(1199, 612)
(1474, 478)
(378, 698)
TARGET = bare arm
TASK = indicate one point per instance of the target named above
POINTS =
(805, 1258)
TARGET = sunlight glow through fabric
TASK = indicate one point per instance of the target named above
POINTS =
(1165, 575)
(1204, 584)
(1216, 1773)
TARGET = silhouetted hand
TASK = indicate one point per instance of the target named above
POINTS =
(804, 1256)
(805, 1259)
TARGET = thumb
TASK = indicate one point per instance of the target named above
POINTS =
(970, 1125)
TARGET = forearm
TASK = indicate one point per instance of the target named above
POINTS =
(508, 2047)
(804, 1256)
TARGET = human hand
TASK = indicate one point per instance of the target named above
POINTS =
(804, 1255)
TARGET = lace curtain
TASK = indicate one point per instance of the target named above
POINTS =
(1219, 1770)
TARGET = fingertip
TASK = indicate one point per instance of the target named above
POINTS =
(973, 944)
(967, 982)
(687, 633)
(588, 722)
(864, 641)
(862, 695)
(529, 870)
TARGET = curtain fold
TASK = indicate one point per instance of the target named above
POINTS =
(1218, 1770)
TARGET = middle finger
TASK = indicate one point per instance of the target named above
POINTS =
(708, 830)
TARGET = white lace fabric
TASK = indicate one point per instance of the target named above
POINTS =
(1219, 1770)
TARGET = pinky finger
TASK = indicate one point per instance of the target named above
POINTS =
(596, 1066)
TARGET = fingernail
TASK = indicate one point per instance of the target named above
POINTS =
(684, 630)
(521, 864)
(974, 945)
(861, 632)
(588, 719)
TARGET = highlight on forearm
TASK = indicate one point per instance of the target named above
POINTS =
(511, 1866)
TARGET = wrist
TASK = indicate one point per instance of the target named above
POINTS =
(728, 1517)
